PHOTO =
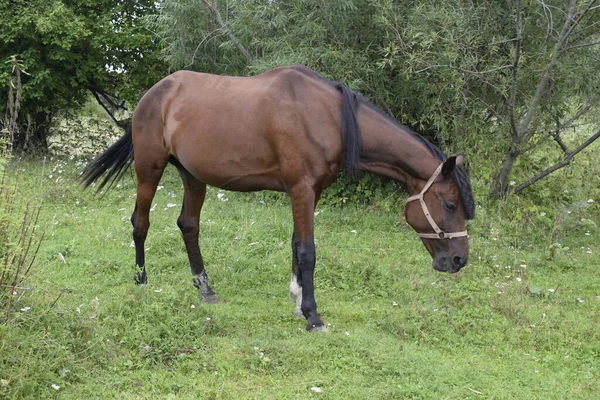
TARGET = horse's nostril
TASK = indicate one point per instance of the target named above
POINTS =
(458, 262)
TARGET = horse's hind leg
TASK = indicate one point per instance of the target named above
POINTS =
(148, 176)
(189, 223)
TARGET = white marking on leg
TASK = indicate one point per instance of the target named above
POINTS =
(296, 295)
(201, 282)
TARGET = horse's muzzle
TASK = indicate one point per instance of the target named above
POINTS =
(449, 264)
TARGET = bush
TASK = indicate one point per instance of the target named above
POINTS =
(19, 239)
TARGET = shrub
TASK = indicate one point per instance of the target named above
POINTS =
(19, 238)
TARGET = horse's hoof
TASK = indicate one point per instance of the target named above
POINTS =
(298, 313)
(316, 328)
(141, 278)
(210, 298)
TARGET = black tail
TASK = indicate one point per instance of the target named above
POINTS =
(113, 162)
(351, 137)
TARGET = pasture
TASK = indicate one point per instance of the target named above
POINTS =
(521, 321)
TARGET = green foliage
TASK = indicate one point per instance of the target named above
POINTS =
(446, 69)
(368, 190)
(72, 48)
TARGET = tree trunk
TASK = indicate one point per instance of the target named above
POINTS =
(501, 183)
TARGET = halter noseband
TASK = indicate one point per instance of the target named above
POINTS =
(439, 234)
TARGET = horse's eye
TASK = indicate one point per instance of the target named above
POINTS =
(450, 207)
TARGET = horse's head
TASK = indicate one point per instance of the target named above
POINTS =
(437, 213)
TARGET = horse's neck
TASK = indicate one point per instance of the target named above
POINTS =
(391, 151)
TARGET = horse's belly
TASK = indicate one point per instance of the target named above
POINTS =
(234, 173)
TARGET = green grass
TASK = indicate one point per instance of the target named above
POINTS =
(520, 322)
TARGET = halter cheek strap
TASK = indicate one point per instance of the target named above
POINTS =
(439, 234)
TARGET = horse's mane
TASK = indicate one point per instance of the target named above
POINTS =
(352, 143)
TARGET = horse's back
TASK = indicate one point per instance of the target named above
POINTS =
(245, 133)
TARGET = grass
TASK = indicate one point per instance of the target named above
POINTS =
(521, 321)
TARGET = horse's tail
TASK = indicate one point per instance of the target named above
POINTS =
(113, 162)
(351, 137)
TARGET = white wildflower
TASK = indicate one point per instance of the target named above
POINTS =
(221, 196)
(55, 387)
(316, 389)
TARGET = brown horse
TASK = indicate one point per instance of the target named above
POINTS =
(288, 129)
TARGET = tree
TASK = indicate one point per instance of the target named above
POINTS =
(242, 38)
(507, 77)
(500, 79)
(71, 49)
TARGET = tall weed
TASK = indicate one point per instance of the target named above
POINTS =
(20, 238)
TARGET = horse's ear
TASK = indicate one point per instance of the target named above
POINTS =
(460, 159)
(450, 165)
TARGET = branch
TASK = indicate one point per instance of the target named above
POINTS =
(559, 141)
(513, 90)
(463, 70)
(215, 12)
(122, 124)
(576, 20)
(206, 38)
(566, 161)
(579, 46)
(561, 126)
(543, 83)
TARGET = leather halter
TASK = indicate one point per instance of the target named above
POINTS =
(439, 234)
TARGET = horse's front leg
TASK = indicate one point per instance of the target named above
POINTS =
(304, 257)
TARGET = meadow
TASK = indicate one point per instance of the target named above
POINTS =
(521, 321)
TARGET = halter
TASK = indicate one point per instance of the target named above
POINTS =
(439, 234)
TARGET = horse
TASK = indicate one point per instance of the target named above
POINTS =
(289, 129)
